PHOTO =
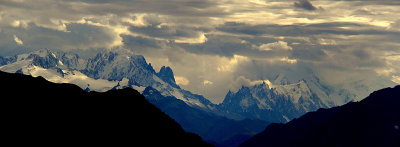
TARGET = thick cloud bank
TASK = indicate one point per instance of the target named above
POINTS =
(212, 44)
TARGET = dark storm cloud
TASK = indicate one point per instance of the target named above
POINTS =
(166, 32)
(57, 23)
(252, 35)
(348, 54)
(354, 57)
(196, 8)
(305, 4)
(228, 46)
(77, 36)
(304, 29)
(378, 2)
(140, 43)
(218, 45)
(338, 45)
(309, 53)
(122, 7)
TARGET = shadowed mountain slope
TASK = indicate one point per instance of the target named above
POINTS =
(372, 122)
(38, 112)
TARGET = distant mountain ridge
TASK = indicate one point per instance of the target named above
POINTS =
(38, 112)
(374, 121)
(284, 99)
(272, 104)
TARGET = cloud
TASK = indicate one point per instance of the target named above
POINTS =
(207, 82)
(140, 43)
(305, 4)
(396, 79)
(181, 80)
(77, 36)
(116, 17)
(280, 45)
(286, 59)
(218, 41)
(201, 38)
(223, 45)
(164, 31)
(341, 46)
(18, 41)
(173, 7)
(243, 81)
(229, 65)
(301, 29)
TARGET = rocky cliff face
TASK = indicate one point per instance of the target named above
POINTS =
(167, 76)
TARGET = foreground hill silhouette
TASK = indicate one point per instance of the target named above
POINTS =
(372, 122)
(38, 112)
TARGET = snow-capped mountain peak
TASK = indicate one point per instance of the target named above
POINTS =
(294, 91)
(276, 103)
(105, 71)
(115, 66)
(56, 67)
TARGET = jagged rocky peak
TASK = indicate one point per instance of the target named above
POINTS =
(71, 60)
(139, 60)
(266, 100)
(262, 86)
(7, 60)
(44, 58)
(116, 66)
(294, 91)
(104, 57)
(43, 53)
(122, 59)
(167, 75)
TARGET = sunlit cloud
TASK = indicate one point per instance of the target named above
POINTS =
(181, 80)
(207, 82)
(18, 41)
(228, 65)
(217, 41)
(280, 45)
(286, 59)
(396, 79)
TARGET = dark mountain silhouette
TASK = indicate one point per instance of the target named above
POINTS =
(372, 122)
(38, 112)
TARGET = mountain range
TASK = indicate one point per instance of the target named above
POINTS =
(282, 101)
(243, 113)
(372, 122)
(38, 112)
(110, 70)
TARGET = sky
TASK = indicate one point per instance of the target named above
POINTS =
(215, 46)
